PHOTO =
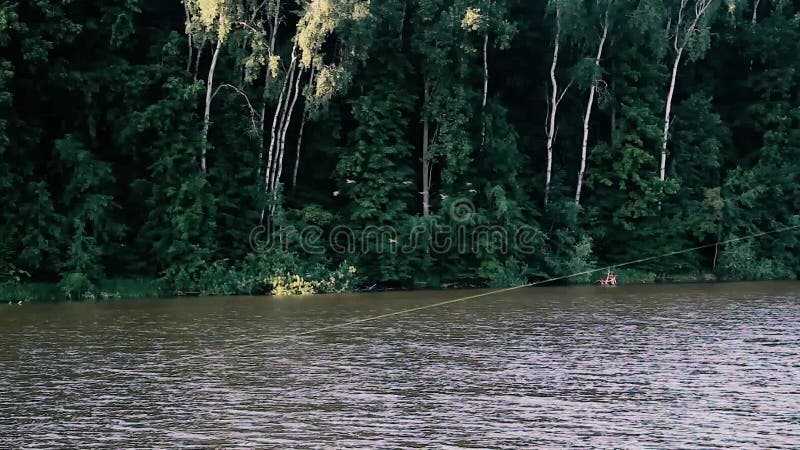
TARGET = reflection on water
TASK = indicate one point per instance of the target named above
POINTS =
(689, 366)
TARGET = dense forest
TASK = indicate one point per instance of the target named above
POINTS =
(154, 139)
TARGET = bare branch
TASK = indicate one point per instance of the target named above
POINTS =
(255, 117)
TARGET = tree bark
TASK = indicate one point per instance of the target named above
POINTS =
(681, 39)
(426, 163)
(300, 133)
(297, 153)
(286, 122)
(667, 112)
(552, 108)
(207, 114)
(188, 37)
(588, 115)
(755, 11)
(278, 121)
(273, 30)
(275, 116)
(485, 88)
(199, 56)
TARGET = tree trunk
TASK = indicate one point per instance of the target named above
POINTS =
(287, 120)
(190, 58)
(485, 89)
(297, 154)
(273, 29)
(190, 40)
(300, 133)
(681, 38)
(755, 11)
(667, 112)
(588, 115)
(207, 114)
(552, 109)
(426, 163)
(278, 110)
(754, 21)
(277, 125)
(199, 56)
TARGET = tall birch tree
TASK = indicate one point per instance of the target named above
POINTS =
(604, 10)
(688, 31)
(211, 17)
(555, 93)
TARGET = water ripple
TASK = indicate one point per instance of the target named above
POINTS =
(689, 366)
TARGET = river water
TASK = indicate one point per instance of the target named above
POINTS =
(654, 366)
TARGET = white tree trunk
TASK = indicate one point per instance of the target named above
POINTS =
(302, 129)
(485, 88)
(275, 123)
(681, 38)
(588, 115)
(667, 112)
(273, 135)
(273, 27)
(426, 162)
(299, 147)
(755, 11)
(207, 114)
(552, 108)
(286, 121)
(280, 124)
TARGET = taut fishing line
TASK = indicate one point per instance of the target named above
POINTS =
(290, 337)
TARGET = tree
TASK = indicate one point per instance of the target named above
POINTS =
(447, 98)
(689, 33)
(213, 19)
(555, 95)
(604, 10)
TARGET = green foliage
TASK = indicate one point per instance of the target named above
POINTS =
(511, 273)
(632, 276)
(740, 261)
(574, 257)
(339, 280)
(101, 132)
(11, 276)
(76, 286)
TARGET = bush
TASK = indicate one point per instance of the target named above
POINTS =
(342, 279)
(579, 258)
(634, 276)
(277, 272)
(739, 261)
(507, 274)
(77, 286)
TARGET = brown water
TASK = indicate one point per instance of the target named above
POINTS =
(658, 366)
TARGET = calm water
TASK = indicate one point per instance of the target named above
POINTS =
(659, 366)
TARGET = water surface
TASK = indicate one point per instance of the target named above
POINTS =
(656, 366)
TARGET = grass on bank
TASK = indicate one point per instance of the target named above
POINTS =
(120, 288)
(140, 288)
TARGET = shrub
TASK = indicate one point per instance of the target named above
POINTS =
(504, 274)
(739, 261)
(77, 286)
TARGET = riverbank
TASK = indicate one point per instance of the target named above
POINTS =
(139, 288)
(124, 288)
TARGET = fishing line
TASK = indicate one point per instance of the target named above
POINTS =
(290, 337)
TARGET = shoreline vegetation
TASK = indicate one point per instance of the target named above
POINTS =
(139, 289)
(291, 147)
